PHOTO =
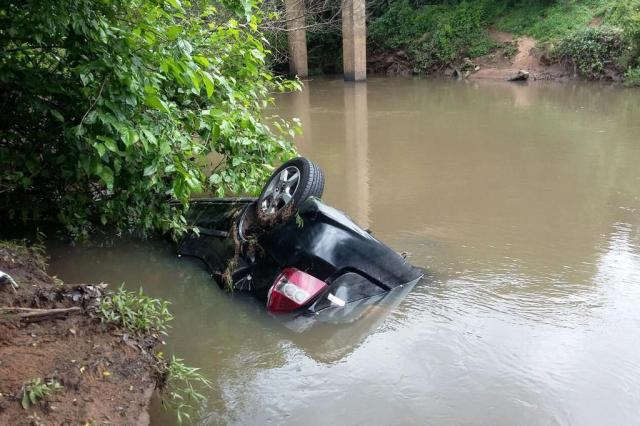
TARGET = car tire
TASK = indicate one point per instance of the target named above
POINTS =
(290, 185)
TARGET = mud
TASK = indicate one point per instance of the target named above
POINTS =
(107, 375)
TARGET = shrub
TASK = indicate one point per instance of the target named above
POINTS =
(136, 312)
(110, 108)
(632, 77)
(592, 51)
(626, 15)
(434, 35)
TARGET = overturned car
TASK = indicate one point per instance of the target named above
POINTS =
(292, 251)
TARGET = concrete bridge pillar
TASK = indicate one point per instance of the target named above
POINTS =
(354, 40)
(297, 38)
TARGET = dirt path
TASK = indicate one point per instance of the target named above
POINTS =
(107, 377)
(525, 59)
(498, 66)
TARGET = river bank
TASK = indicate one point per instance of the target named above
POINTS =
(517, 58)
(595, 40)
(50, 334)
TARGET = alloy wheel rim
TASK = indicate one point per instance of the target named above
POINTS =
(280, 190)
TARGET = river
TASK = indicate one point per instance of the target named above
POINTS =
(523, 204)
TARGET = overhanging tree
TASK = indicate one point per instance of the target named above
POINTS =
(108, 108)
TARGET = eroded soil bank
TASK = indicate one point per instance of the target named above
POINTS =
(517, 55)
(107, 376)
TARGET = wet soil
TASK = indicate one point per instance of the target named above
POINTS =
(107, 376)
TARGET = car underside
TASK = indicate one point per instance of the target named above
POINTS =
(299, 256)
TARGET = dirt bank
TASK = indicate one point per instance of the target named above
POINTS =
(107, 376)
(516, 54)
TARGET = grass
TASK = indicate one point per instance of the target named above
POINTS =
(549, 22)
(632, 77)
(136, 312)
(181, 385)
(37, 390)
(25, 249)
(510, 49)
(139, 313)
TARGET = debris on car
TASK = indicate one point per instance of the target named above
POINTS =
(293, 252)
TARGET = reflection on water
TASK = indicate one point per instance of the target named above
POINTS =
(523, 203)
(356, 155)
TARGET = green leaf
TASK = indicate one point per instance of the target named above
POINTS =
(208, 82)
(202, 61)
(106, 174)
(176, 4)
(57, 115)
(100, 148)
(173, 31)
(25, 400)
(129, 137)
(150, 136)
(155, 102)
(195, 80)
(109, 143)
(85, 163)
(150, 170)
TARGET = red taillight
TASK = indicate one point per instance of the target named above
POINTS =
(292, 289)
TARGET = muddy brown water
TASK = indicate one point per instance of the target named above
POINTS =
(523, 203)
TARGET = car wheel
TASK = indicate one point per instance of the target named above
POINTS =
(291, 184)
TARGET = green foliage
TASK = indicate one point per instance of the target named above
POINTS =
(632, 77)
(181, 392)
(109, 108)
(434, 35)
(577, 29)
(592, 51)
(625, 14)
(325, 51)
(440, 32)
(510, 49)
(549, 20)
(135, 312)
(36, 390)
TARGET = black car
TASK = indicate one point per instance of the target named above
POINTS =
(292, 251)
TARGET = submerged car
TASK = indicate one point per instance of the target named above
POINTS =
(296, 254)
